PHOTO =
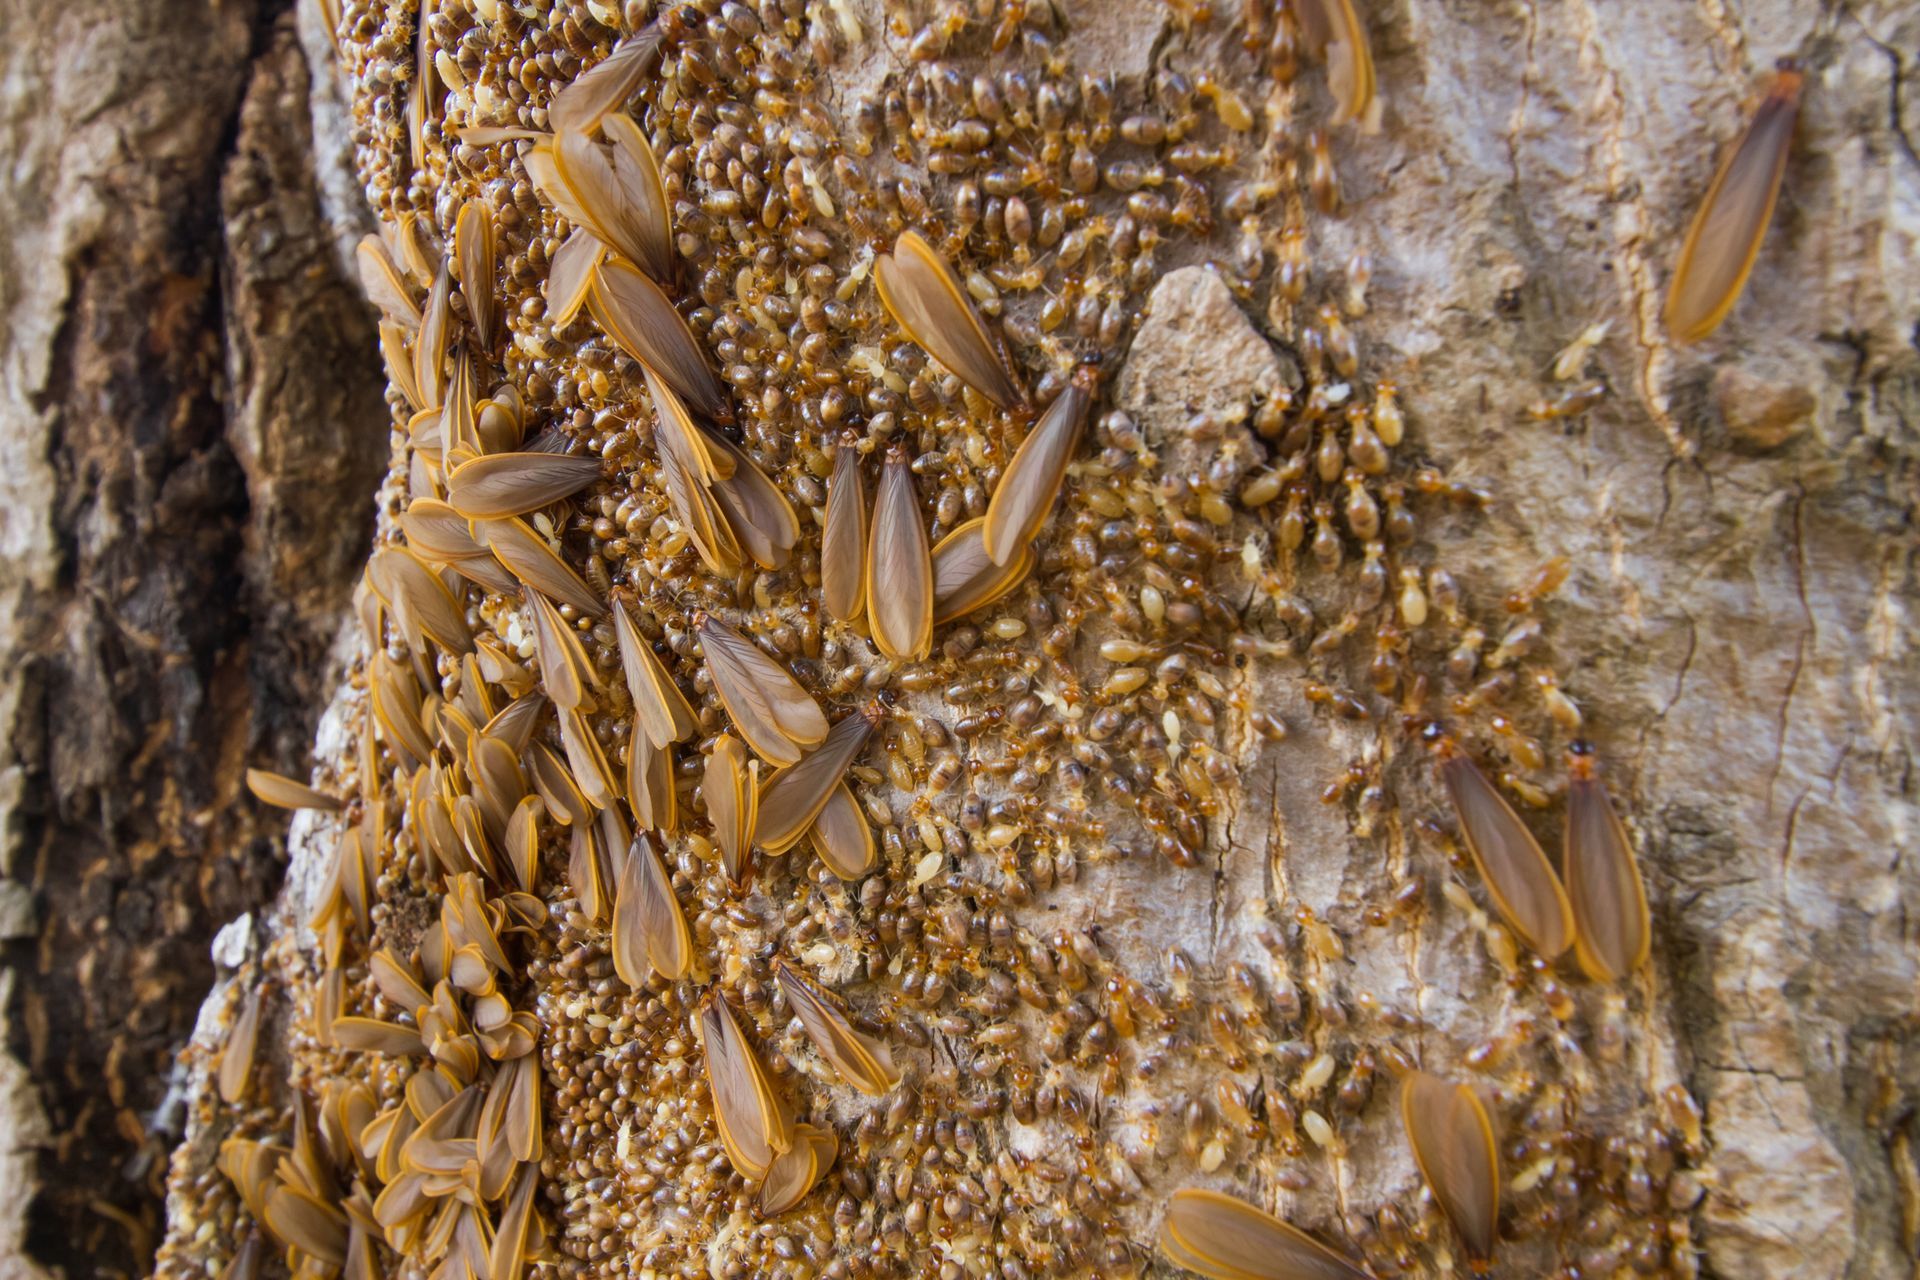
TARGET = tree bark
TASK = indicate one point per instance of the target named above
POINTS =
(187, 466)
(194, 428)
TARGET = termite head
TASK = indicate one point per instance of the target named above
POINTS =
(1581, 759)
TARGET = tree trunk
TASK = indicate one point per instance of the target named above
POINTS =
(195, 427)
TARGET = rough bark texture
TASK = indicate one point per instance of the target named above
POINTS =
(187, 470)
(188, 465)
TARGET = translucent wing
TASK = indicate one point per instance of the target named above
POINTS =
(921, 293)
(843, 539)
(1612, 932)
(1518, 876)
(1452, 1139)
(1024, 498)
(1726, 233)
(899, 586)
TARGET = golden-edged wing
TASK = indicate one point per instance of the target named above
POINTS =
(633, 311)
(794, 796)
(528, 557)
(1612, 930)
(658, 704)
(1024, 498)
(605, 86)
(476, 247)
(284, 793)
(842, 838)
(859, 1059)
(1453, 1142)
(921, 293)
(843, 538)
(1333, 30)
(900, 585)
(1225, 1238)
(570, 276)
(1725, 237)
(965, 578)
(777, 717)
(755, 1125)
(731, 787)
(497, 485)
(1518, 876)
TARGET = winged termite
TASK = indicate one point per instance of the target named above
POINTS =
(420, 87)
(506, 1260)
(794, 796)
(1724, 239)
(430, 344)
(396, 981)
(1333, 30)
(605, 87)
(762, 518)
(1024, 498)
(529, 558)
(567, 675)
(731, 787)
(304, 1222)
(1612, 932)
(284, 793)
(515, 723)
(476, 248)
(497, 485)
(899, 567)
(586, 760)
(637, 171)
(570, 276)
(523, 842)
(557, 789)
(620, 192)
(493, 767)
(798, 1169)
(1225, 1238)
(635, 313)
(859, 1059)
(921, 293)
(649, 929)
(441, 535)
(385, 287)
(777, 717)
(1518, 876)
(658, 704)
(843, 537)
(1453, 1143)
(246, 1260)
(236, 1058)
(419, 601)
(965, 578)
(396, 709)
(587, 872)
(841, 836)
(755, 1125)
(372, 1035)
(650, 789)
(398, 358)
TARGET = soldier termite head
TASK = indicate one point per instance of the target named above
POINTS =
(1725, 237)
(1612, 933)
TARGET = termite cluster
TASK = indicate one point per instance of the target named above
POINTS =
(656, 296)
